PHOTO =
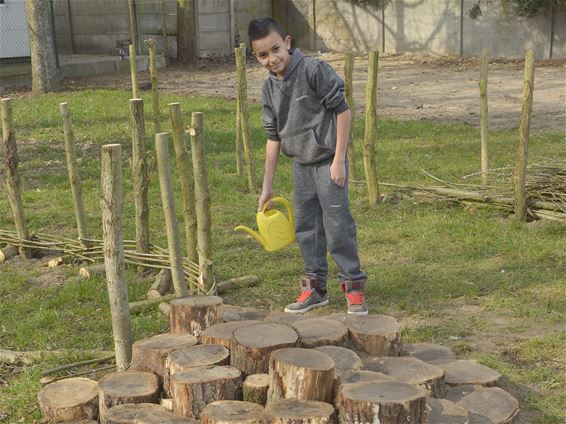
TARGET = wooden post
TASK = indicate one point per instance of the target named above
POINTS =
(245, 117)
(483, 117)
(133, 26)
(154, 88)
(13, 184)
(140, 175)
(370, 130)
(239, 147)
(73, 170)
(173, 238)
(163, 23)
(111, 204)
(186, 31)
(134, 71)
(349, 94)
(524, 128)
(204, 246)
(187, 180)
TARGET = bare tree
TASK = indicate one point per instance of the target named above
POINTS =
(186, 31)
(44, 72)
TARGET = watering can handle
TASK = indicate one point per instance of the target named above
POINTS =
(284, 202)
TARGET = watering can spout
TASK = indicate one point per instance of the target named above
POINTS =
(252, 233)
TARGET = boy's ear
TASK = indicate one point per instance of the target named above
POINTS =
(287, 42)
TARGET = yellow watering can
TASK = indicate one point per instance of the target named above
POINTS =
(275, 230)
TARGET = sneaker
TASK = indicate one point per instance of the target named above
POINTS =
(307, 300)
(354, 291)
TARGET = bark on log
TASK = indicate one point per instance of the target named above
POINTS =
(297, 373)
(192, 390)
(12, 357)
(296, 411)
(162, 285)
(492, 405)
(430, 352)
(445, 411)
(251, 345)
(126, 387)
(194, 314)
(8, 252)
(315, 332)
(238, 282)
(136, 306)
(378, 335)
(232, 412)
(143, 413)
(69, 399)
(255, 388)
(356, 376)
(468, 372)
(386, 402)
(89, 271)
(221, 334)
(413, 371)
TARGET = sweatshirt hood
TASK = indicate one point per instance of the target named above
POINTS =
(296, 57)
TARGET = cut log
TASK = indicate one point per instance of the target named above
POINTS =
(238, 282)
(252, 344)
(411, 370)
(344, 359)
(221, 334)
(8, 252)
(69, 399)
(255, 388)
(194, 314)
(430, 352)
(378, 335)
(162, 285)
(283, 317)
(296, 411)
(85, 421)
(191, 357)
(164, 308)
(142, 304)
(12, 357)
(384, 402)
(457, 393)
(468, 372)
(167, 403)
(92, 270)
(297, 373)
(315, 332)
(126, 387)
(443, 411)
(232, 411)
(143, 413)
(150, 354)
(192, 390)
(492, 405)
(356, 376)
(239, 313)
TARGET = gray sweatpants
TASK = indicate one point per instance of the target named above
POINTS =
(323, 221)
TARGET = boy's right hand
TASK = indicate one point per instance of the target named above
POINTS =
(265, 196)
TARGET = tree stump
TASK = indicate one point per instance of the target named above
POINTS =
(252, 344)
(194, 314)
(492, 405)
(192, 390)
(232, 411)
(384, 402)
(304, 374)
(378, 335)
(443, 411)
(296, 411)
(315, 332)
(69, 399)
(126, 387)
(356, 376)
(143, 413)
(468, 372)
(221, 334)
(238, 313)
(8, 252)
(191, 357)
(413, 371)
(150, 354)
(255, 388)
(430, 352)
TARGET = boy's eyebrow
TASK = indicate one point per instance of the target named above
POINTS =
(275, 45)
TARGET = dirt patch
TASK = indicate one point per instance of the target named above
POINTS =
(409, 87)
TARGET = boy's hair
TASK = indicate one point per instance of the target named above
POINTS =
(261, 27)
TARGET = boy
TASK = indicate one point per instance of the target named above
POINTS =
(306, 117)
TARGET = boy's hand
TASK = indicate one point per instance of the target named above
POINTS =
(265, 196)
(338, 172)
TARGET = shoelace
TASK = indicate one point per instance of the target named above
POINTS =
(355, 298)
(304, 296)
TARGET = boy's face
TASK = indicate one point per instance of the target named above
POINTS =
(272, 52)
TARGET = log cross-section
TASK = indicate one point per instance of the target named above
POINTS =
(194, 314)
(69, 399)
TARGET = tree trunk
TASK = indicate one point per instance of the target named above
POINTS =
(232, 412)
(256, 387)
(143, 413)
(194, 314)
(300, 412)
(186, 31)
(69, 399)
(483, 117)
(44, 72)
(349, 95)
(370, 130)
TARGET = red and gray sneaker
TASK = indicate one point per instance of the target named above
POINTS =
(354, 291)
(309, 298)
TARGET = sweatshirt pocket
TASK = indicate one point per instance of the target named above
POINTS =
(305, 148)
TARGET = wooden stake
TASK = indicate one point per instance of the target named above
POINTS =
(173, 238)
(483, 117)
(134, 71)
(524, 128)
(245, 117)
(239, 146)
(370, 130)
(154, 88)
(13, 184)
(140, 175)
(111, 204)
(187, 180)
(349, 94)
(73, 170)
(163, 23)
(202, 196)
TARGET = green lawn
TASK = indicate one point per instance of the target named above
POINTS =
(474, 279)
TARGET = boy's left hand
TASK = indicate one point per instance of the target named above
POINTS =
(338, 172)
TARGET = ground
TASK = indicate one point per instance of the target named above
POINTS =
(409, 87)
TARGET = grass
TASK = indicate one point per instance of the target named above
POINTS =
(475, 279)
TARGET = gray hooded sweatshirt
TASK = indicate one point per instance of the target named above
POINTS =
(300, 109)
